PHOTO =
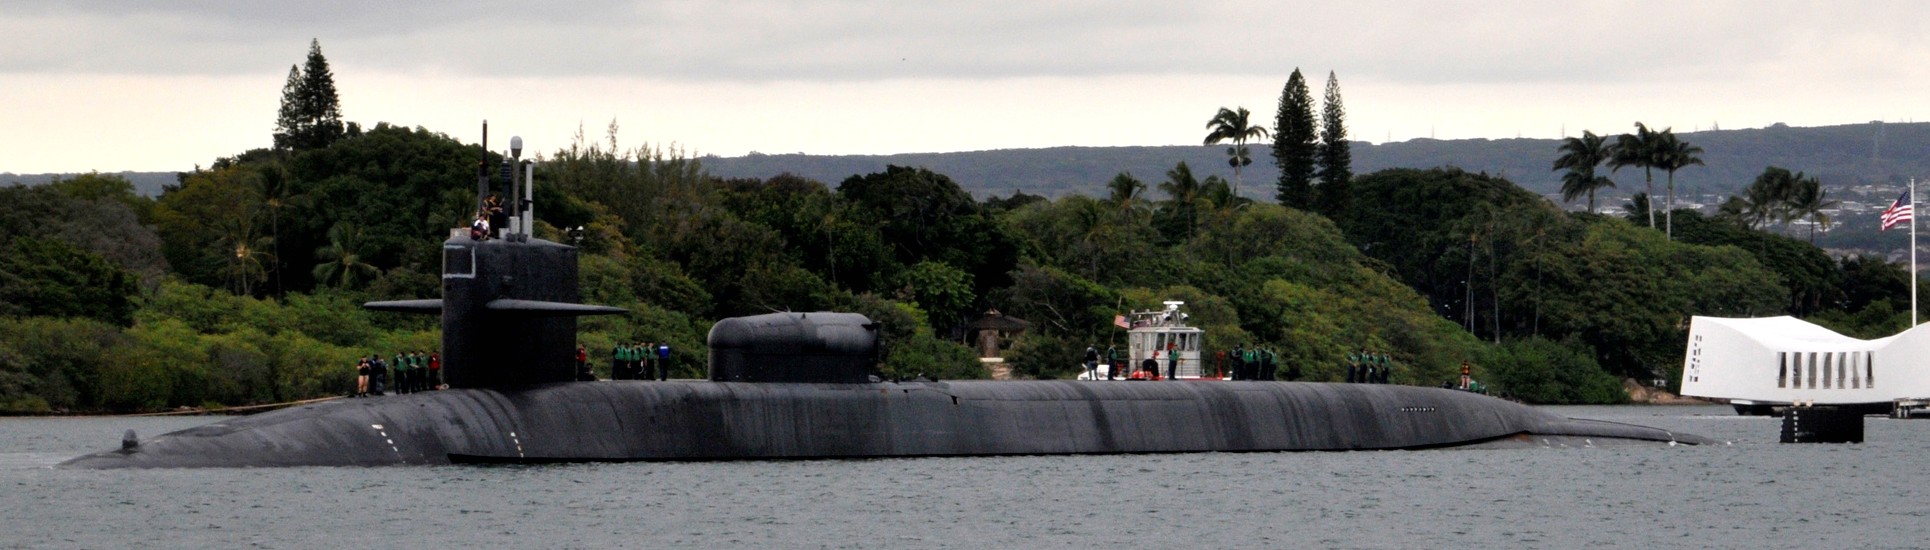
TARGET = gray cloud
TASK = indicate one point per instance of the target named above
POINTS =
(857, 40)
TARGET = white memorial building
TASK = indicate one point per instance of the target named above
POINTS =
(1783, 360)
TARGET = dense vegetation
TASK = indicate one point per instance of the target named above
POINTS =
(241, 282)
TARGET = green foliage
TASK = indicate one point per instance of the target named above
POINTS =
(91, 213)
(1038, 355)
(920, 215)
(1629, 293)
(1806, 271)
(210, 229)
(1538, 370)
(942, 291)
(53, 278)
(1108, 242)
(1506, 264)
(933, 357)
(49, 364)
(1059, 303)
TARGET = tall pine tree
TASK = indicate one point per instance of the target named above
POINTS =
(1335, 158)
(1293, 143)
(289, 117)
(311, 112)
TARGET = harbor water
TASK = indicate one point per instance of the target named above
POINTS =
(1751, 492)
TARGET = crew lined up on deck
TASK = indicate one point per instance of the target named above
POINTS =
(642, 361)
(1368, 367)
(1257, 363)
(408, 372)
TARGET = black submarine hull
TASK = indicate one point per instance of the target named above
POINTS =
(643, 421)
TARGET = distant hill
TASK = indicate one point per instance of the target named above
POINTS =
(145, 183)
(1879, 153)
(1845, 155)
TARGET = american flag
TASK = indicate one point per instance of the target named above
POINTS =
(1120, 321)
(1898, 212)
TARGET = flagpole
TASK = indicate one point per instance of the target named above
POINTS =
(1913, 253)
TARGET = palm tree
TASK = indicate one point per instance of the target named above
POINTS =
(1808, 200)
(247, 264)
(1765, 200)
(1672, 154)
(1231, 125)
(1217, 196)
(1735, 210)
(1580, 156)
(341, 261)
(246, 249)
(1637, 149)
(1184, 191)
(1127, 192)
(1089, 223)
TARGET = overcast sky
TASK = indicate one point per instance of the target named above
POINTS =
(165, 85)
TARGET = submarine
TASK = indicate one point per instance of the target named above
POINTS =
(797, 385)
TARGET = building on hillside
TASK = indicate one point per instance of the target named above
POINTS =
(994, 330)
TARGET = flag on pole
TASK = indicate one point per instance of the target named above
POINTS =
(1898, 212)
(1120, 321)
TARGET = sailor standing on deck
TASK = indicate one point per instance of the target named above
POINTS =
(435, 370)
(379, 373)
(663, 361)
(648, 358)
(1367, 370)
(1172, 360)
(1353, 365)
(641, 354)
(401, 374)
(1112, 361)
(1092, 363)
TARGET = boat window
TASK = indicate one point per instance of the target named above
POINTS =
(1856, 371)
(1827, 359)
(1869, 369)
(1782, 369)
(1842, 369)
(1795, 370)
(1812, 370)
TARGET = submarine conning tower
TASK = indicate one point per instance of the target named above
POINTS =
(508, 312)
(509, 301)
(816, 347)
